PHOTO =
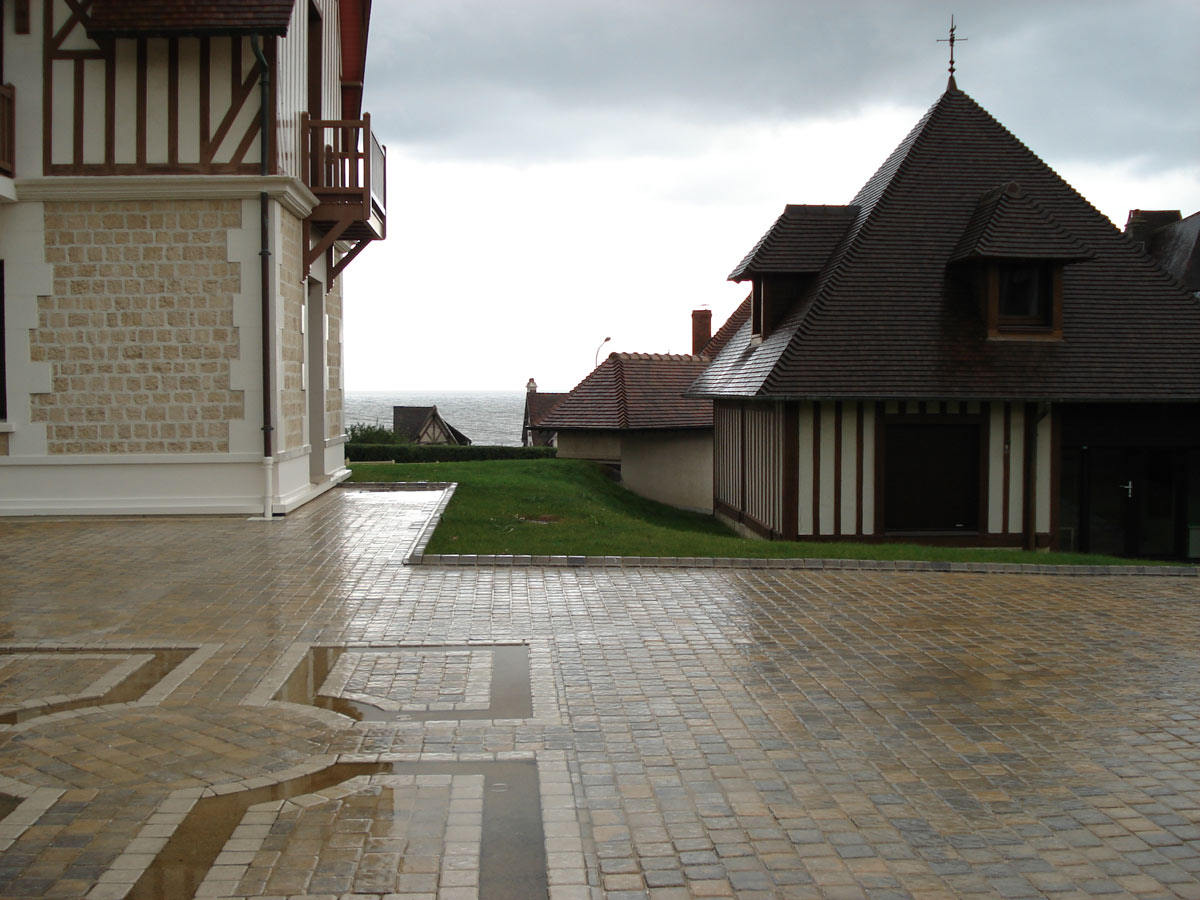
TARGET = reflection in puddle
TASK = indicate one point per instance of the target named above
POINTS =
(511, 695)
(129, 689)
(512, 862)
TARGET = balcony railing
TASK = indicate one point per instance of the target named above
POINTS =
(8, 130)
(346, 167)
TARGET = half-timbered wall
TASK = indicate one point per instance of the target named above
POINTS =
(146, 105)
(836, 457)
(727, 455)
(763, 456)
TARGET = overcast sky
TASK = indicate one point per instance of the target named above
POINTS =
(561, 171)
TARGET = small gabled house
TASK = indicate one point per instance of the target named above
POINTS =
(424, 425)
(631, 413)
(967, 352)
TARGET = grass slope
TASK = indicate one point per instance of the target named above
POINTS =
(571, 507)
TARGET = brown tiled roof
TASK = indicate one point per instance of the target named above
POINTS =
(635, 390)
(127, 18)
(538, 404)
(800, 241)
(881, 320)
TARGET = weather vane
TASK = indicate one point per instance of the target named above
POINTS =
(951, 41)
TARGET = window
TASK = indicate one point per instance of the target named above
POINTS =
(1024, 300)
(1026, 296)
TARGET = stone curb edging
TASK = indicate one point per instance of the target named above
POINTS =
(419, 558)
(706, 562)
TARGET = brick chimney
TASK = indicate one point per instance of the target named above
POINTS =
(701, 329)
(531, 387)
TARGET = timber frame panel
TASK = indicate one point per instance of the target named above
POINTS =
(77, 69)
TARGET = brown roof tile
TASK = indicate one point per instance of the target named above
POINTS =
(538, 405)
(1008, 224)
(635, 390)
(880, 322)
(126, 18)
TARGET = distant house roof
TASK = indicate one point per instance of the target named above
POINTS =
(883, 320)
(635, 390)
(538, 405)
(128, 18)
(413, 423)
(800, 241)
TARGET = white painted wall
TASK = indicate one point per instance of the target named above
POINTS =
(673, 467)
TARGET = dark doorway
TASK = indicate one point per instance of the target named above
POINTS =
(931, 477)
(1132, 501)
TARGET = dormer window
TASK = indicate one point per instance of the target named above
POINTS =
(1023, 300)
(1017, 253)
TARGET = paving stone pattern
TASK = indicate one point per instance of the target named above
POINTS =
(716, 732)
(414, 679)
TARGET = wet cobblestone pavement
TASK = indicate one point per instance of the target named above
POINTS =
(714, 732)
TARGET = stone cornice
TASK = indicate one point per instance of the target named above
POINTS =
(291, 192)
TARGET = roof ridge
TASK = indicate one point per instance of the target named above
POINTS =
(619, 381)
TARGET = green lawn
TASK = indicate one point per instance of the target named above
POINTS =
(570, 507)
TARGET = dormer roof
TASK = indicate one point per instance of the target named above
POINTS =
(1008, 224)
(800, 242)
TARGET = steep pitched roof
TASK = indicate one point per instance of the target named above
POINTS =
(635, 390)
(128, 18)
(800, 241)
(880, 320)
(725, 333)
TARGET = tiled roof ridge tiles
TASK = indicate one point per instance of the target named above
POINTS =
(619, 386)
(670, 357)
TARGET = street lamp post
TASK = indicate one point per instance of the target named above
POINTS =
(596, 361)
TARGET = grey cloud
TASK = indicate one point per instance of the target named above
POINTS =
(534, 79)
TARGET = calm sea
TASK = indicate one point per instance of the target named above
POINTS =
(486, 417)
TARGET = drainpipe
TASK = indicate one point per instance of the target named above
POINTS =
(264, 256)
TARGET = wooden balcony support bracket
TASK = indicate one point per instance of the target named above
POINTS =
(325, 243)
(335, 269)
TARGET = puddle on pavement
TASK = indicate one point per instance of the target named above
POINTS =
(7, 805)
(511, 695)
(512, 862)
(130, 688)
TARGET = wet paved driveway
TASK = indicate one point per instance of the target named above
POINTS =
(227, 708)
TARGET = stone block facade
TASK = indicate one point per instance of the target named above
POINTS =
(138, 331)
(334, 393)
(292, 290)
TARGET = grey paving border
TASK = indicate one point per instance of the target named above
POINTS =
(708, 562)
(419, 558)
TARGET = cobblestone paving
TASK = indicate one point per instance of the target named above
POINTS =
(415, 680)
(697, 732)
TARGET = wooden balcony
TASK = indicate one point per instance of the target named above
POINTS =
(8, 130)
(346, 167)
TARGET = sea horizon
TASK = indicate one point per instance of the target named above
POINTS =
(486, 416)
